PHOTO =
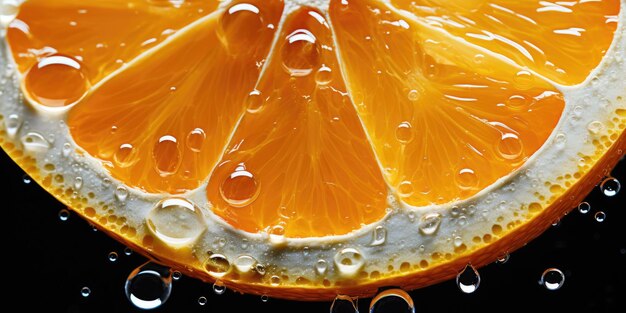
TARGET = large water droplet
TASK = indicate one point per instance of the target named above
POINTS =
(195, 139)
(240, 188)
(610, 186)
(510, 146)
(429, 223)
(166, 154)
(468, 280)
(56, 81)
(343, 304)
(392, 300)
(379, 236)
(404, 132)
(176, 221)
(349, 261)
(35, 142)
(300, 53)
(217, 265)
(552, 279)
(241, 27)
(149, 286)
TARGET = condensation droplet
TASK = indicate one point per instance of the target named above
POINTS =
(217, 265)
(121, 194)
(66, 150)
(166, 155)
(240, 188)
(35, 142)
(404, 132)
(245, 263)
(524, 80)
(392, 300)
(324, 75)
(149, 286)
(560, 140)
(610, 186)
(600, 216)
(202, 300)
(595, 127)
(413, 95)
(468, 280)
(321, 266)
(64, 215)
(26, 179)
(405, 189)
(429, 223)
(195, 139)
(264, 298)
(112, 256)
(241, 26)
(518, 102)
(219, 288)
(12, 125)
(255, 102)
(584, 207)
(466, 178)
(510, 146)
(176, 221)
(349, 261)
(379, 236)
(176, 275)
(552, 279)
(274, 280)
(56, 81)
(85, 292)
(503, 258)
(125, 155)
(300, 53)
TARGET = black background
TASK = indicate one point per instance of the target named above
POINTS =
(48, 261)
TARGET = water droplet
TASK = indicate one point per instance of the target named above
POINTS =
(343, 304)
(556, 223)
(112, 256)
(128, 251)
(245, 263)
(255, 102)
(35, 142)
(176, 275)
(195, 139)
(584, 207)
(64, 215)
(66, 150)
(85, 292)
(240, 187)
(260, 268)
(595, 127)
(560, 140)
(121, 194)
(392, 300)
(149, 286)
(610, 186)
(241, 27)
(349, 261)
(300, 53)
(468, 280)
(600, 216)
(324, 75)
(518, 102)
(552, 279)
(219, 288)
(176, 221)
(125, 155)
(404, 132)
(524, 80)
(8, 11)
(503, 258)
(429, 223)
(265, 298)
(26, 179)
(379, 236)
(166, 154)
(413, 95)
(202, 300)
(12, 125)
(274, 280)
(479, 58)
(56, 81)
(217, 265)
(277, 234)
(321, 266)
(510, 146)
(405, 189)
(467, 178)
(458, 241)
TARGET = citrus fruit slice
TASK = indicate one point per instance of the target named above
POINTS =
(303, 149)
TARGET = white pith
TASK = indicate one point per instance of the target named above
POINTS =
(597, 97)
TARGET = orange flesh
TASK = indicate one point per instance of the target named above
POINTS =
(439, 100)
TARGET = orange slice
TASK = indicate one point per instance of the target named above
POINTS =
(306, 149)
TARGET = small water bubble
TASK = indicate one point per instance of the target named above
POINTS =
(219, 288)
(584, 207)
(149, 286)
(503, 258)
(468, 280)
(121, 194)
(524, 80)
(405, 189)
(379, 236)
(413, 95)
(392, 300)
(176, 221)
(202, 300)
(610, 186)
(429, 223)
(404, 132)
(35, 142)
(166, 155)
(195, 139)
(240, 188)
(349, 261)
(324, 75)
(128, 251)
(265, 298)
(300, 53)
(552, 279)
(466, 178)
(600, 216)
(85, 292)
(217, 265)
(26, 179)
(343, 304)
(56, 81)
(64, 215)
(112, 256)
(321, 266)
(12, 125)
(176, 275)
(518, 102)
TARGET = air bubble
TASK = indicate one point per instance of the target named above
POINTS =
(405, 189)
(468, 280)
(300, 53)
(413, 95)
(595, 127)
(149, 286)
(503, 258)
(240, 188)
(176, 221)
(466, 178)
(176, 275)
(202, 300)
(552, 279)
(518, 102)
(560, 140)
(429, 223)
(524, 80)
(610, 186)
(78, 183)
(245, 263)
(56, 81)
(26, 179)
(349, 261)
(66, 150)
(241, 27)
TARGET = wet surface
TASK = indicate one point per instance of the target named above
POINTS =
(51, 261)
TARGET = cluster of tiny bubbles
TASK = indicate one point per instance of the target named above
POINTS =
(85, 292)
(112, 256)
(219, 288)
(584, 207)
(149, 285)
(610, 186)
(600, 216)
(202, 300)
(26, 179)
(64, 215)
(552, 279)
(343, 304)
(468, 280)
(392, 300)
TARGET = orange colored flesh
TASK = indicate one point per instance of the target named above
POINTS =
(414, 100)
